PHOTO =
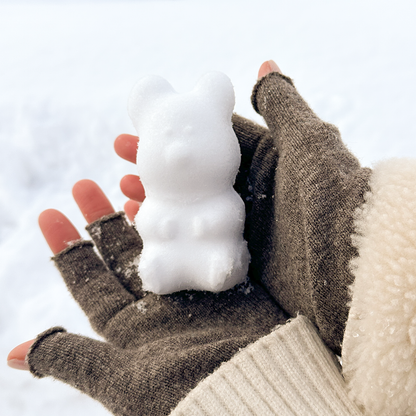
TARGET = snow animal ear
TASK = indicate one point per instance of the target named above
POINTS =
(217, 89)
(145, 94)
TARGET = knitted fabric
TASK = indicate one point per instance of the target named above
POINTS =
(300, 186)
(288, 372)
(301, 251)
(157, 348)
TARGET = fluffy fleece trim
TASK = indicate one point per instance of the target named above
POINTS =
(379, 349)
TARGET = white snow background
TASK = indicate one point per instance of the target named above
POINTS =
(66, 70)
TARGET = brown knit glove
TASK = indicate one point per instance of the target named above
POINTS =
(157, 348)
(305, 186)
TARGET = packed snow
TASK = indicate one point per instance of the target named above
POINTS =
(66, 72)
(192, 219)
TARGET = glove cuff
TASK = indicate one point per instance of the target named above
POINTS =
(288, 372)
(260, 82)
(379, 346)
(35, 361)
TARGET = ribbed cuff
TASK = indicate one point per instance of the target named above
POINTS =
(260, 82)
(31, 358)
(288, 372)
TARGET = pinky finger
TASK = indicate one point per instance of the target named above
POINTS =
(131, 208)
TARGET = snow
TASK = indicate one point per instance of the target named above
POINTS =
(192, 220)
(66, 73)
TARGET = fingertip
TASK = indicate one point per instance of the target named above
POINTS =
(131, 208)
(268, 67)
(125, 145)
(46, 215)
(132, 188)
(91, 200)
(81, 187)
(17, 356)
(57, 230)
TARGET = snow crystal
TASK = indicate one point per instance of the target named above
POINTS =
(131, 268)
(95, 231)
(72, 243)
(246, 287)
(141, 306)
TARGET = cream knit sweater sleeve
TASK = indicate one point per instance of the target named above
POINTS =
(289, 372)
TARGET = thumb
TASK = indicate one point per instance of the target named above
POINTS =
(268, 67)
(98, 369)
(17, 357)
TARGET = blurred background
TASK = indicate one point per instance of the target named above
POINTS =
(66, 70)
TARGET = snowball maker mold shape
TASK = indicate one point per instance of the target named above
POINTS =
(192, 220)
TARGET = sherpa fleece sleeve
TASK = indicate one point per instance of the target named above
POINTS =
(379, 348)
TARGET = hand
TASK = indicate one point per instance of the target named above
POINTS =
(301, 187)
(58, 230)
(59, 233)
(157, 348)
(306, 188)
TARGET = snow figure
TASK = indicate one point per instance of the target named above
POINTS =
(192, 220)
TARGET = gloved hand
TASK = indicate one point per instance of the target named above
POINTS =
(337, 245)
(157, 347)
(302, 187)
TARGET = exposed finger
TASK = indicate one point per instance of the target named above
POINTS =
(267, 67)
(91, 200)
(125, 146)
(17, 356)
(131, 208)
(132, 187)
(57, 230)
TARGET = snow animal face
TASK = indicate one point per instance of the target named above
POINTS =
(186, 142)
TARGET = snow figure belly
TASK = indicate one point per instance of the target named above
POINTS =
(192, 220)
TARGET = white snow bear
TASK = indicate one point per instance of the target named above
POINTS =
(191, 220)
